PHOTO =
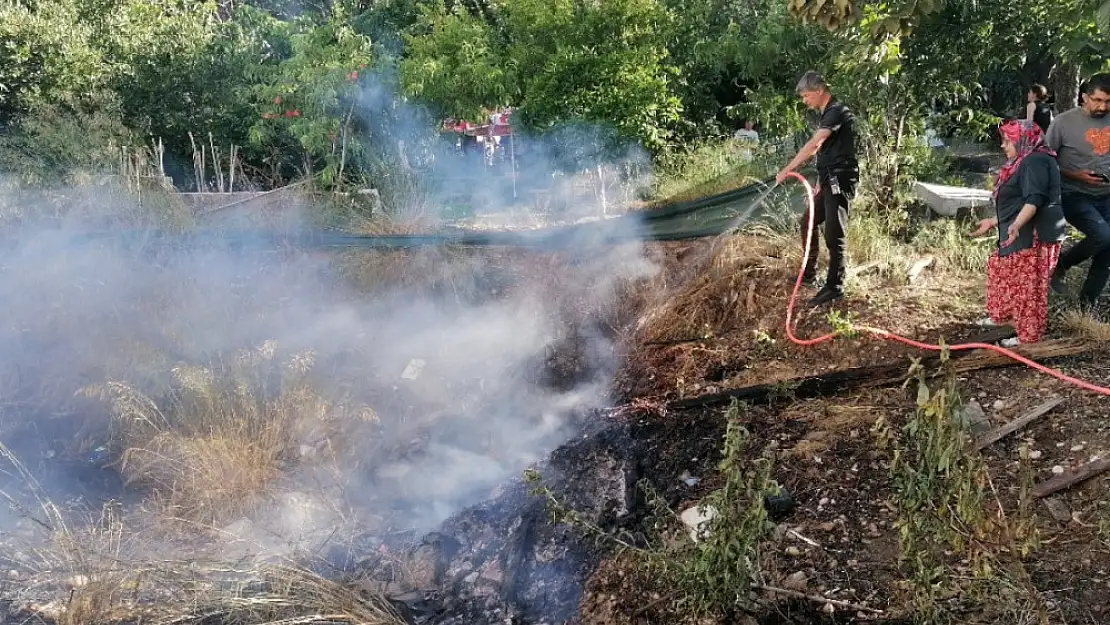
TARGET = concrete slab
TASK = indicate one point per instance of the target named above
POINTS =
(946, 200)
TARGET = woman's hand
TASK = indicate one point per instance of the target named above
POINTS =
(985, 227)
(1012, 234)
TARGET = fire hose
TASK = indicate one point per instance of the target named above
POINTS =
(891, 336)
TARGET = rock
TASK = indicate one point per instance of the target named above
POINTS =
(697, 519)
(1057, 470)
(1035, 454)
(999, 404)
(779, 506)
(797, 581)
(1058, 509)
(975, 418)
(793, 552)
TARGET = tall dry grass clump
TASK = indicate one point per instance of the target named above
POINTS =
(746, 279)
(1087, 325)
(212, 447)
(284, 595)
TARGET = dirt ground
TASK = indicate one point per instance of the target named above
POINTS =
(841, 542)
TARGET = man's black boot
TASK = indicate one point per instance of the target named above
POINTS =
(1057, 282)
(826, 295)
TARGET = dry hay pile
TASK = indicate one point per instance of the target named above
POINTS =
(284, 595)
(721, 317)
(189, 594)
(220, 438)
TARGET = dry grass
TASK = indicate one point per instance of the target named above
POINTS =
(731, 290)
(220, 440)
(285, 595)
(1085, 325)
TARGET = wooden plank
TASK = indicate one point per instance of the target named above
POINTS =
(1067, 480)
(891, 373)
(1017, 424)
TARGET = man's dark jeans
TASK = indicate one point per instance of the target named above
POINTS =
(1091, 216)
(831, 209)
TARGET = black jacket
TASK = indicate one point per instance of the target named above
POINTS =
(1036, 182)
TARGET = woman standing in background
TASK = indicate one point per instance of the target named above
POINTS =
(1031, 226)
(1037, 109)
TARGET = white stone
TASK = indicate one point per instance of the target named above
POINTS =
(698, 521)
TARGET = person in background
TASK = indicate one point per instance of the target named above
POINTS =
(1037, 109)
(1031, 227)
(747, 136)
(1081, 139)
(834, 145)
(748, 132)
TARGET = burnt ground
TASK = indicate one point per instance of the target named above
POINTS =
(829, 461)
(840, 542)
(509, 560)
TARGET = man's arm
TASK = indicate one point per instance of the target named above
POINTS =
(1085, 176)
(807, 152)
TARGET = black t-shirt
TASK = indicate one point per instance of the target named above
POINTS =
(1042, 116)
(838, 152)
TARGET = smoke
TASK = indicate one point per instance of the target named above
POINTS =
(572, 172)
(451, 353)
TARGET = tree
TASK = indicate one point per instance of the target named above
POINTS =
(308, 99)
(454, 62)
(558, 62)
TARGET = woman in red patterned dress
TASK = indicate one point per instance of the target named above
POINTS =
(1030, 226)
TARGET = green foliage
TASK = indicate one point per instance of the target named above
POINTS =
(708, 168)
(453, 62)
(56, 142)
(940, 490)
(559, 62)
(716, 575)
(47, 55)
(312, 94)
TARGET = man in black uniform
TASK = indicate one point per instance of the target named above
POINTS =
(834, 145)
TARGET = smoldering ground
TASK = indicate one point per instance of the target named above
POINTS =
(256, 398)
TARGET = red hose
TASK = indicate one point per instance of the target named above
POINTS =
(890, 336)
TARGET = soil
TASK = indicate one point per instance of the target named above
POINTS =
(505, 561)
(841, 541)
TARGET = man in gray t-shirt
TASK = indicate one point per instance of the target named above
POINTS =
(1081, 139)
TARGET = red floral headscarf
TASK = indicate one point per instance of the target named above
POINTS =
(1027, 138)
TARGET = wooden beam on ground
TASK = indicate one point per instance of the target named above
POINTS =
(999, 433)
(892, 373)
(1067, 480)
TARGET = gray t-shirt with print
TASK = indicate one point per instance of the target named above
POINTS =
(1081, 142)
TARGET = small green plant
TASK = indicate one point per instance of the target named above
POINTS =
(714, 574)
(843, 323)
(941, 486)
